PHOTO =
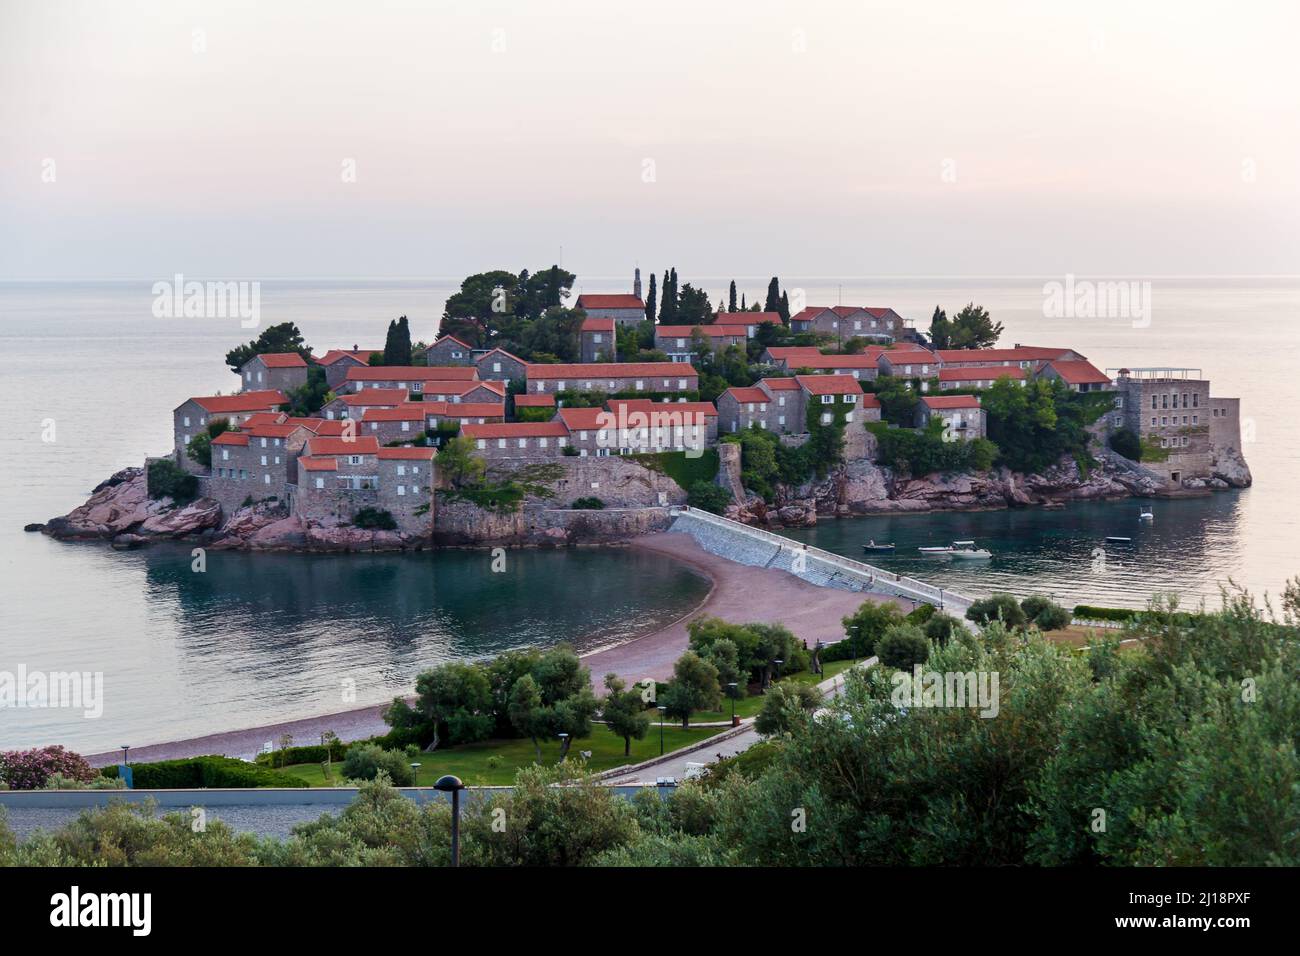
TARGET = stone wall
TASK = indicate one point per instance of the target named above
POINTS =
(461, 523)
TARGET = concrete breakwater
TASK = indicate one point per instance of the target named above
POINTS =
(745, 544)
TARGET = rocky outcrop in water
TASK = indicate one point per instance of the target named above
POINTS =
(863, 488)
(122, 506)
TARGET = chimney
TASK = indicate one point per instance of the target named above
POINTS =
(355, 347)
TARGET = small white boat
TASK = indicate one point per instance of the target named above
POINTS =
(966, 554)
(943, 550)
(1146, 516)
(959, 550)
(1116, 539)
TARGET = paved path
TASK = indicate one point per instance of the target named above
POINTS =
(674, 765)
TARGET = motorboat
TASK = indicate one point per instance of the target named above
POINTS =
(959, 550)
(872, 546)
(966, 554)
(1146, 516)
(1116, 539)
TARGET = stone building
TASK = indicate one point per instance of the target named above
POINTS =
(613, 378)
(281, 371)
(449, 350)
(353, 405)
(518, 440)
(413, 378)
(442, 414)
(622, 308)
(1171, 410)
(193, 415)
(401, 423)
(1078, 375)
(597, 339)
(498, 365)
(844, 322)
(907, 362)
(336, 363)
(679, 342)
(1027, 357)
(962, 415)
(979, 376)
(338, 478)
(792, 358)
(258, 462)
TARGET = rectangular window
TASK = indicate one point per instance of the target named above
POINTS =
(1196, 399)
(827, 399)
(541, 442)
(523, 443)
(406, 426)
(401, 490)
(482, 444)
(266, 479)
(320, 482)
(401, 469)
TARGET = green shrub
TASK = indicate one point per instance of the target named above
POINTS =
(310, 754)
(997, 607)
(570, 451)
(1044, 614)
(681, 468)
(941, 627)
(587, 504)
(902, 646)
(784, 701)
(166, 479)
(375, 518)
(1125, 442)
(366, 761)
(1093, 613)
(707, 496)
(921, 613)
(205, 772)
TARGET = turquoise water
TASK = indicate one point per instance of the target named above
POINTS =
(1191, 548)
(270, 637)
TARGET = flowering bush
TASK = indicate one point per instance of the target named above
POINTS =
(32, 769)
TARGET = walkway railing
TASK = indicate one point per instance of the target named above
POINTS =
(878, 578)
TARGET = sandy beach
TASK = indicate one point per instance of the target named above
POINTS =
(738, 593)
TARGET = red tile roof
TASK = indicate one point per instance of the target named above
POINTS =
(793, 351)
(319, 464)
(406, 454)
(951, 401)
(328, 429)
(1079, 372)
(587, 419)
(412, 373)
(243, 402)
(359, 445)
(509, 355)
(620, 301)
(268, 418)
(808, 314)
(860, 360)
(333, 355)
(271, 429)
(464, 345)
(231, 438)
(281, 360)
(744, 395)
(709, 331)
(1021, 353)
(613, 370)
(534, 401)
(491, 385)
(781, 384)
(598, 325)
(980, 372)
(552, 429)
(829, 384)
(747, 318)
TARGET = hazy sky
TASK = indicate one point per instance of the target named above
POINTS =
(748, 138)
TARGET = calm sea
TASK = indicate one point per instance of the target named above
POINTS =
(264, 638)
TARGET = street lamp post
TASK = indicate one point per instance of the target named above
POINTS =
(563, 740)
(778, 662)
(415, 771)
(662, 712)
(731, 692)
(853, 646)
(452, 785)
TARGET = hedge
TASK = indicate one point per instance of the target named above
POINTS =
(205, 772)
(684, 470)
(314, 753)
(1092, 613)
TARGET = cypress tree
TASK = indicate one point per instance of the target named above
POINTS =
(652, 300)
(773, 303)
(785, 308)
(731, 299)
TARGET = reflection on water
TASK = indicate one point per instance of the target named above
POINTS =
(1191, 548)
(265, 637)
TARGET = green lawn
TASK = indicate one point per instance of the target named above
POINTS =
(750, 706)
(470, 762)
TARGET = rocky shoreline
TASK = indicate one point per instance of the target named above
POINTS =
(120, 510)
(861, 488)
